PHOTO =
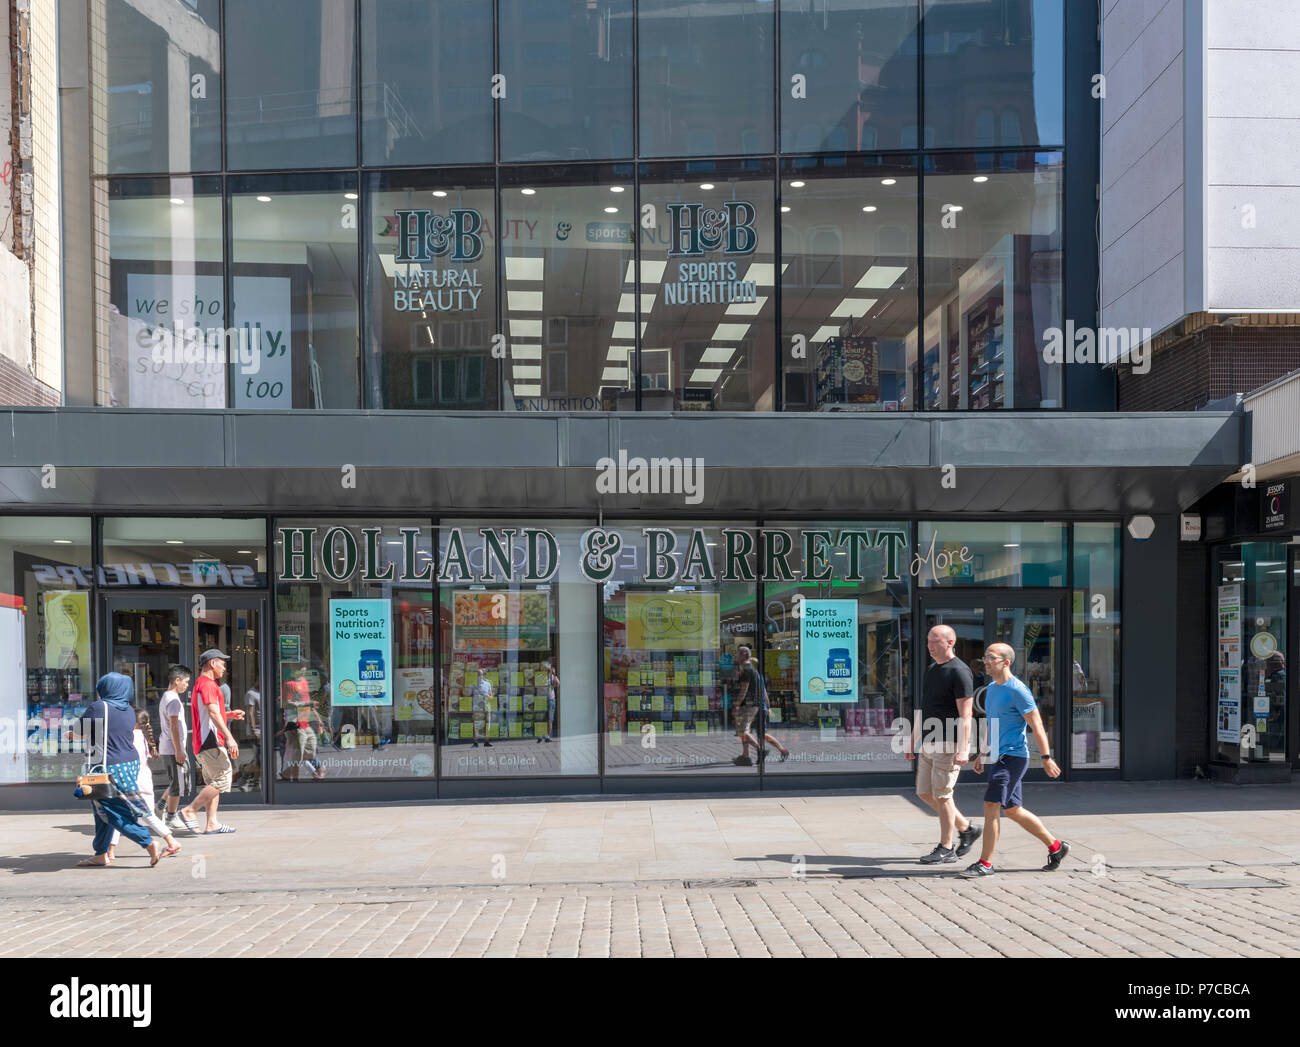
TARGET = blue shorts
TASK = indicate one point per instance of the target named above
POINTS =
(1005, 777)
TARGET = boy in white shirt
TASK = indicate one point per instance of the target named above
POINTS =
(173, 729)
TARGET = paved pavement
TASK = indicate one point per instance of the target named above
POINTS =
(1168, 869)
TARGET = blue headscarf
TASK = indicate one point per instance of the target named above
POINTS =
(116, 690)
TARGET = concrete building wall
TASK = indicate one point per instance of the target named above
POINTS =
(1252, 145)
(1143, 143)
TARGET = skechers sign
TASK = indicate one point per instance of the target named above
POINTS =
(424, 236)
(696, 232)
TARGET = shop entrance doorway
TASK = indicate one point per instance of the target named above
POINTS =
(150, 633)
(1035, 624)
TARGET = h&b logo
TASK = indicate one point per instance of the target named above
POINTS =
(697, 229)
(424, 235)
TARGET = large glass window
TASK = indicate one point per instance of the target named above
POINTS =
(708, 266)
(188, 551)
(848, 727)
(162, 86)
(291, 98)
(993, 287)
(705, 77)
(432, 289)
(519, 629)
(670, 656)
(1006, 555)
(860, 72)
(568, 79)
(1250, 700)
(994, 73)
(166, 330)
(354, 666)
(294, 278)
(848, 283)
(1095, 657)
(426, 72)
(47, 670)
(570, 305)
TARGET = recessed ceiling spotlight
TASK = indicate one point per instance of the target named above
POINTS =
(440, 192)
(888, 181)
(706, 185)
(611, 210)
(263, 199)
(951, 208)
(349, 196)
(177, 201)
(62, 541)
(980, 179)
(528, 192)
(244, 552)
(615, 188)
(869, 208)
(175, 541)
(784, 209)
(796, 185)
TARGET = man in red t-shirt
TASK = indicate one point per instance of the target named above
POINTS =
(214, 746)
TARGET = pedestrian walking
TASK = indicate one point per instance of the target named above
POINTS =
(1009, 708)
(940, 743)
(751, 705)
(109, 723)
(173, 732)
(146, 749)
(214, 746)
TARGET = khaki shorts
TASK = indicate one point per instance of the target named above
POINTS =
(214, 765)
(745, 714)
(936, 774)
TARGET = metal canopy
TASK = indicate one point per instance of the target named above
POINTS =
(755, 464)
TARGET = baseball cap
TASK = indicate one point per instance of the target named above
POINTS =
(210, 654)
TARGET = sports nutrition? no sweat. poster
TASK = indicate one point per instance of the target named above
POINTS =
(361, 652)
(828, 651)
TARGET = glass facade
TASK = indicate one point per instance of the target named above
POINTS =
(409, 649)
(842, 258)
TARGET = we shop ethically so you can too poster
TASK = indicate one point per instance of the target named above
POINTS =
(361, 652)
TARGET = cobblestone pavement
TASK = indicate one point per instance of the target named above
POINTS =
(1020, 914)
(1156, 869)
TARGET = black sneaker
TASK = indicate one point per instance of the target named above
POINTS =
(940, 854)
(1054, 860)
(976, 870)
(966, 839)
(743, 761)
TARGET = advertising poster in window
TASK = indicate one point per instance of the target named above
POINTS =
(483, 621)
(361, 652)
(828, 651)
(672, 621)
(1228, 713)
(414, 695)
(67, 631)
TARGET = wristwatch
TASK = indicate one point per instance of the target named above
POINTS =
(1047, 756)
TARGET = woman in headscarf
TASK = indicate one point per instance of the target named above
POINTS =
(116, 748)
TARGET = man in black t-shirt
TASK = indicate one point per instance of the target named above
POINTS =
(940, 738)
(751, 696)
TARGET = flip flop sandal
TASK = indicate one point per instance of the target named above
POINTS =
(219, 832)
(190, 825)
(86, 863)
(172, 852)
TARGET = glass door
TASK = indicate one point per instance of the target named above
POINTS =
(147, 635)
(1030, 622)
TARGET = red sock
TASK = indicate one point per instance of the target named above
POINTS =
(987, 865)
(1056, 846)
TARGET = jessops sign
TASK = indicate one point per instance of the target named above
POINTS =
(532, 554)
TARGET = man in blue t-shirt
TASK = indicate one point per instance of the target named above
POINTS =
(1009, 708)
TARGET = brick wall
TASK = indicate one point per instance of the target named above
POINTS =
(19, 387)
(1211, 364)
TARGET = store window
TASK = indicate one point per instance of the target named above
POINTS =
(519, 630)
(848, 283)
(165, 324)
(836, 691)
(1250, 652)
(183, 551)
(705, 77)
(47, 669)
(426, 72)
(1006, 555)
(670, 655)
(431, 277)
(859, 70)
(162, 87)
(294, 280)
(708, 277)
(354, 650)
(290, 106)
(1095, 656)
(992, 335)
(568, 79)
(570, 301)
(985, 59)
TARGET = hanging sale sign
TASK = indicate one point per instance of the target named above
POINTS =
(828, 651)
(361, 651)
